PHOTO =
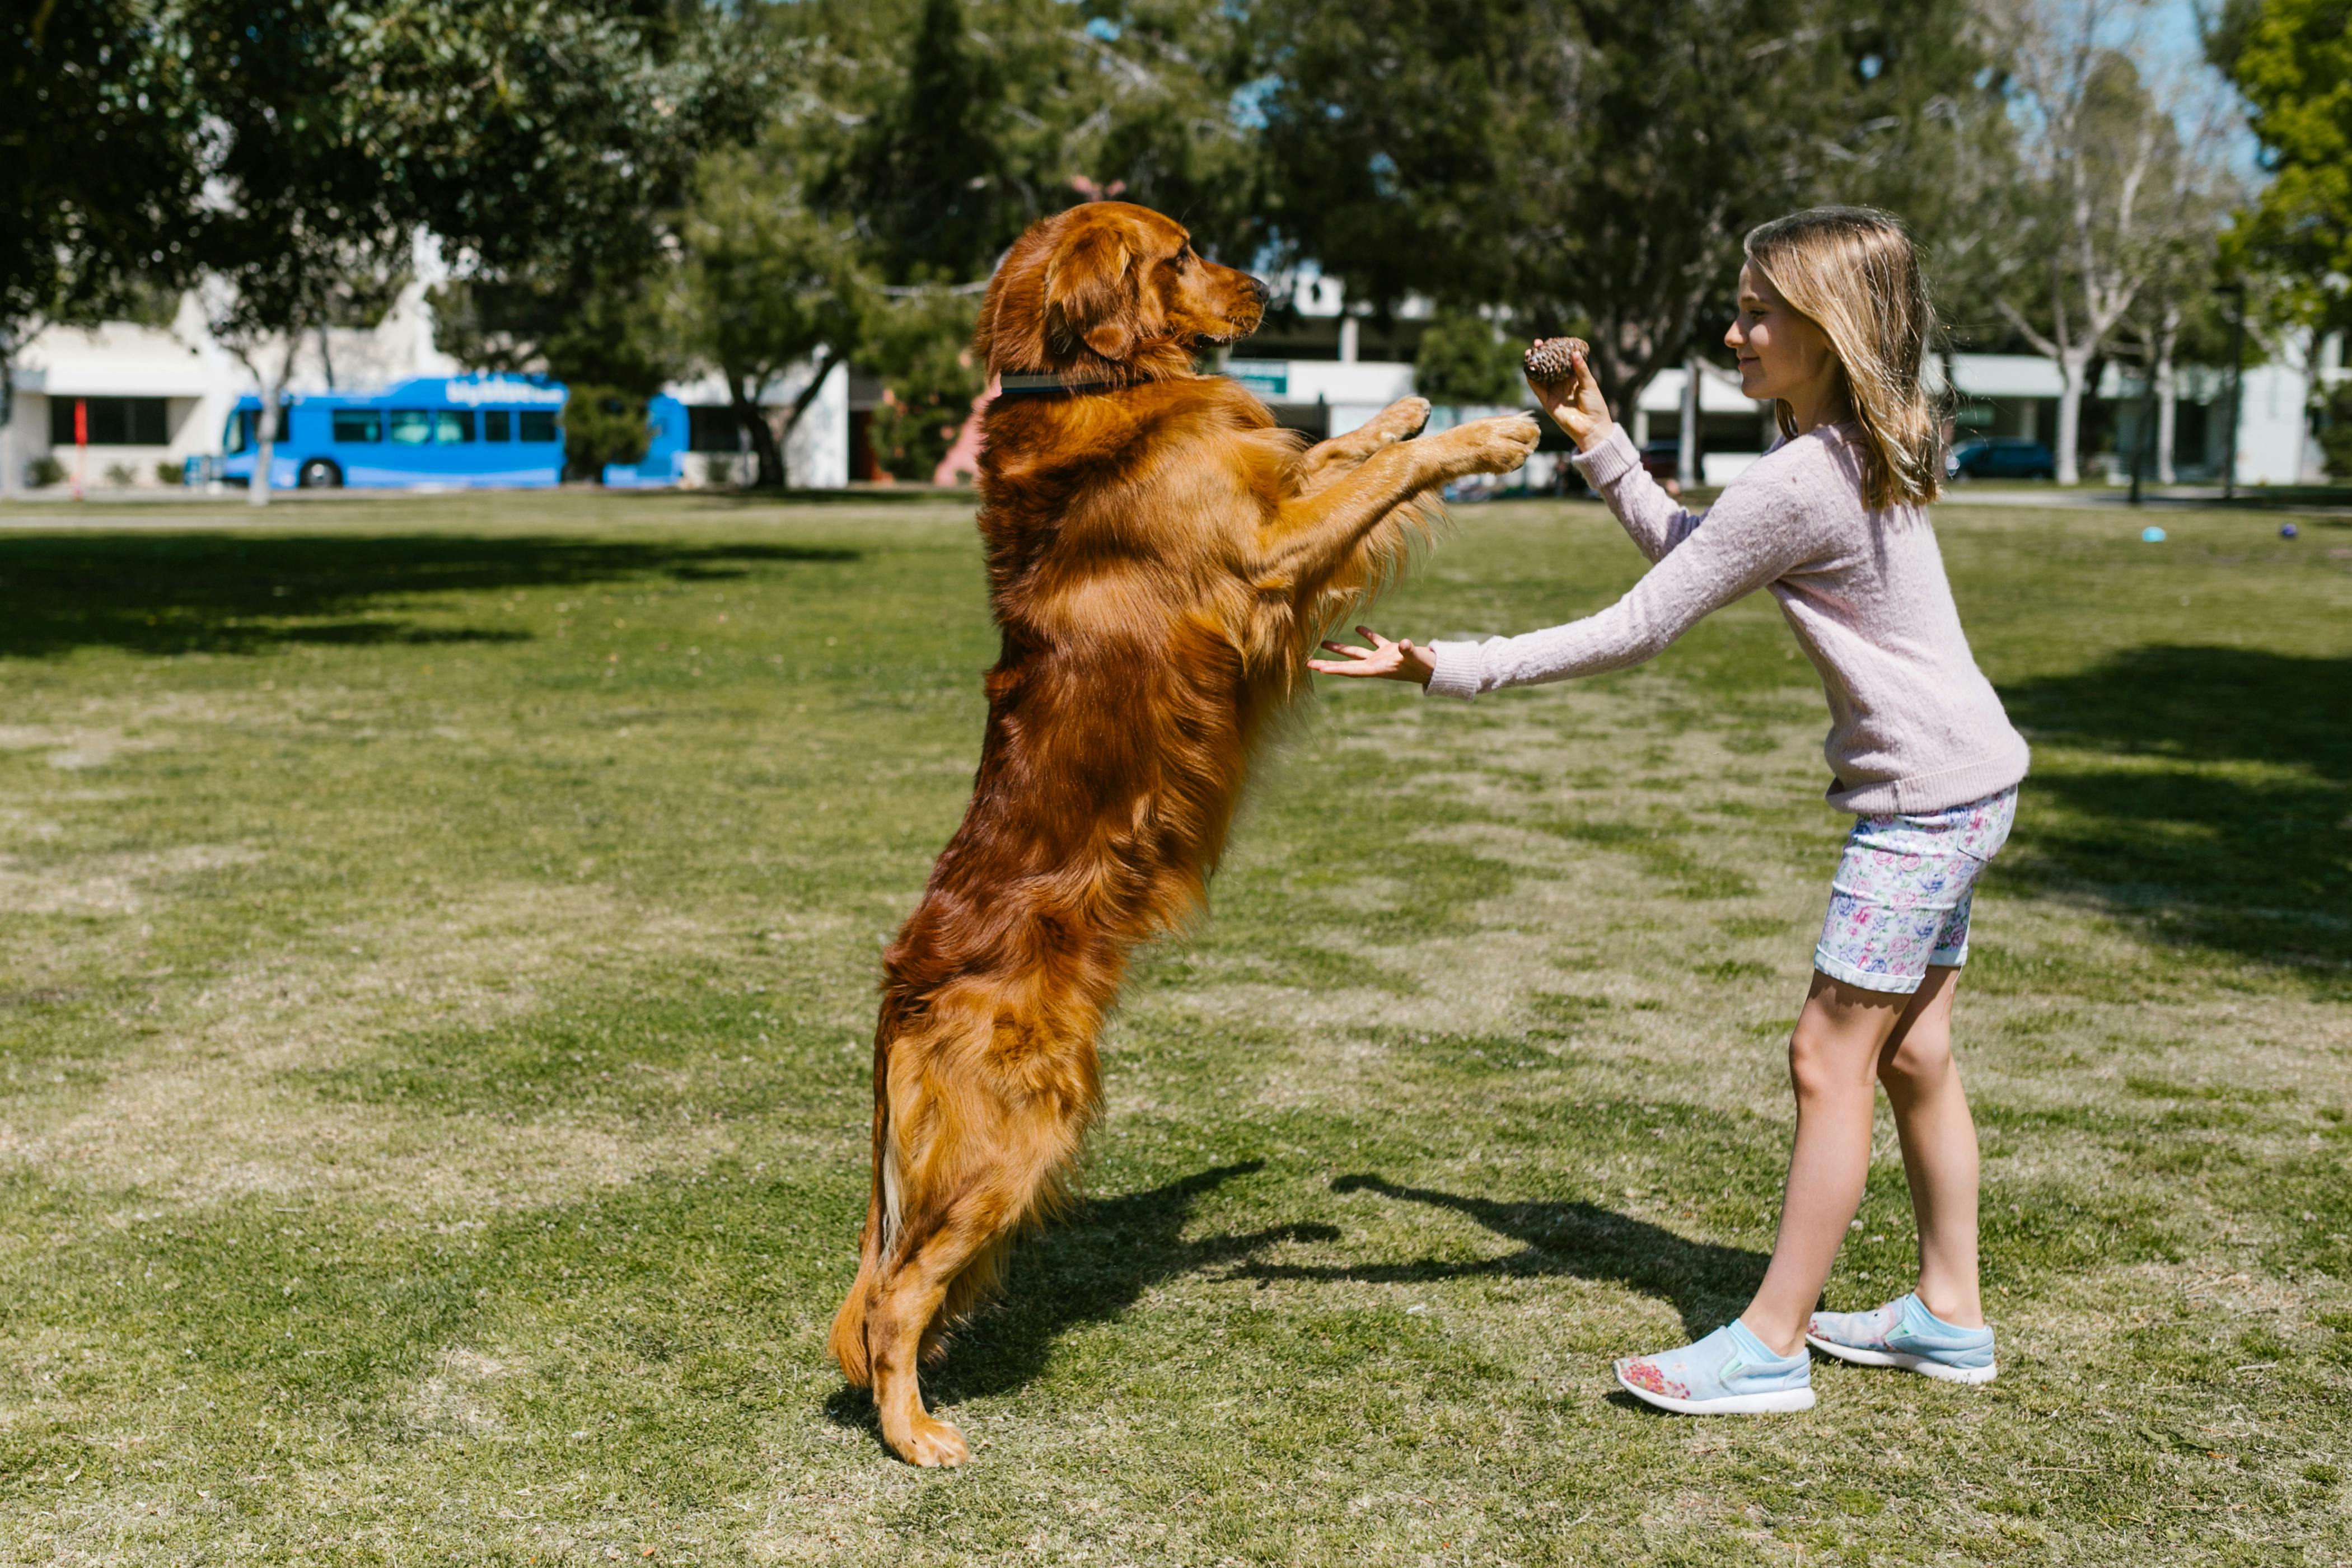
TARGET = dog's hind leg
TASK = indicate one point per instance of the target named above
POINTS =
(978, 1145)
(910, 1307)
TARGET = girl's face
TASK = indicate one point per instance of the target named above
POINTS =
(1781, 354)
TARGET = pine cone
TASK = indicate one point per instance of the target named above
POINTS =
(1548, 357)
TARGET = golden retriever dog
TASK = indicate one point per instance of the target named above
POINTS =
(1163, 560)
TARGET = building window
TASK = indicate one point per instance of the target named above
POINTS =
(536, 424)
(498, 425)
(110, 420)
(364, 424)
(713, 427)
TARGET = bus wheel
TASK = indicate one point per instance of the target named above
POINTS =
(320, 475)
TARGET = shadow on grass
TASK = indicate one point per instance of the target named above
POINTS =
(2251, 865)
(1098, 1265)
(1092, 1267)
(1707, 1283)
(227, 593)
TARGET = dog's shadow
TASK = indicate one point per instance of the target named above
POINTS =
(1096, 1264)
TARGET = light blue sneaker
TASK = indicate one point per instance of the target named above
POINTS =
(1904, 1334)
(1729, 1372)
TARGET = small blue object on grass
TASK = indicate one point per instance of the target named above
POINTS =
(2287, 531)
(2151, 534)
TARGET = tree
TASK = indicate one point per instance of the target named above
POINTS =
(307, 199)
(2292, 61)
(967, 120)
(534, 137)
(1588, 165)
(98, 170)
(2119, 184)
(767, 284)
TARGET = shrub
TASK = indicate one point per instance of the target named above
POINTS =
(42, 472)
(1463, 359)
(918, 346)
(170, 473)
(2335, 429)
(121, 475)
(602, 424)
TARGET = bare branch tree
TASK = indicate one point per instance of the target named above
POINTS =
(2103, 149)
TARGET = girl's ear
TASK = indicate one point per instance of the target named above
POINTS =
(1090, 295)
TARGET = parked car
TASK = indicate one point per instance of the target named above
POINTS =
(2000, 457)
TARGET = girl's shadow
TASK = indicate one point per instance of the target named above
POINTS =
(1707, 1283)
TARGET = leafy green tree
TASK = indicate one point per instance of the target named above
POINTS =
(974, 118)
(1591, 165)
(1463, 359)
(99, 167)
(2293, 61)
(535, 136)
(767, 284)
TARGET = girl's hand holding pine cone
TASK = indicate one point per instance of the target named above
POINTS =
(1563, 384)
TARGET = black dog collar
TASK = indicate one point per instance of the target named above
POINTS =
(1023, 384)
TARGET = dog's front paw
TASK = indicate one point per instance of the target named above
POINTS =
(1496, 445)
(1402, 418)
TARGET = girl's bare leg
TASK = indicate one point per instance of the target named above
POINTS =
(1833, 1058)
(1939, 1148)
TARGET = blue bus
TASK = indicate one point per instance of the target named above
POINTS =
(456, 430)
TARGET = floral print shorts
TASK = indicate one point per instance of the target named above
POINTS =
(1901, 898)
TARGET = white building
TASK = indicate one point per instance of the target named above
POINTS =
(144, 398)
(147, 397)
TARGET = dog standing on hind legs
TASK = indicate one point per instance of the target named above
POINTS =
(1163, 560)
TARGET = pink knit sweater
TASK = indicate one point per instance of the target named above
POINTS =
(1914, 724)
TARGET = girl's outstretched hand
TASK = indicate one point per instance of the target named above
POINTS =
(1383, 659)
(1575, 404)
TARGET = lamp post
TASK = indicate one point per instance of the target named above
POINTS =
(2236, 294)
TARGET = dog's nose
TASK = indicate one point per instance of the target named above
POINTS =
(1259, 291)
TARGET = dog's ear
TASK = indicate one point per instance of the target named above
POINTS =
(1090, 294)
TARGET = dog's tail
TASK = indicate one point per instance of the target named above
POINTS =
(847, 1344)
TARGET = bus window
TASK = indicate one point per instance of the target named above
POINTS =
(239, 433)
(498, 425)
(453, 426)
(358, 424)
(536, 424)
(411, 427)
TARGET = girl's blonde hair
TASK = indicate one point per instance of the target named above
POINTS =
(1852, 272)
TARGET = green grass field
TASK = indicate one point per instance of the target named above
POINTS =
(440, 940)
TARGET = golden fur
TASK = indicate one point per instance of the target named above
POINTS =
(1162, 558)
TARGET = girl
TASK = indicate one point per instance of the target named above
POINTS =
(1832, 325)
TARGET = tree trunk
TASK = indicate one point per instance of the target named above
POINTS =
(2167, 391)
(265, 452)
(2072, 364)
(265, 426)
(1686, 460)
(818, 372)
(768, 454)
